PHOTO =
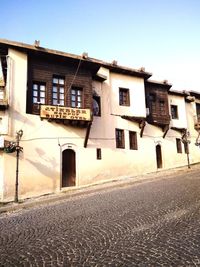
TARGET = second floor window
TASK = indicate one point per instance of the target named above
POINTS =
(76, 97)
(119, 134)
(198, 111)
(96, 105)
(124, 99)
(162, 107)
(58, 94)
(39, 93)
(152, 103)
(174, 112)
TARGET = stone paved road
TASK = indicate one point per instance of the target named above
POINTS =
(153, 223)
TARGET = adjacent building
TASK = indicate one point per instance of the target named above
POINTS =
(82, 121)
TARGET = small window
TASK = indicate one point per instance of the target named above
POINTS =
(198, 111)
(96, 105)
(38, 92)
(152, 103)
(162, 107)
(76, 97)
(98, 153)
(178, 145)
(38, 96)
(174, 112)
(133, 140)
(58, 94)
(124, 99)
(119, 138)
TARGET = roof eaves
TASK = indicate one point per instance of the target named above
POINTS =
(110, 66)
(160, 83)
(180, 93)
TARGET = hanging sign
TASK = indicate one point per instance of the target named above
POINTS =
(57, 112)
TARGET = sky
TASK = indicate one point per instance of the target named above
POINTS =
(161, 35)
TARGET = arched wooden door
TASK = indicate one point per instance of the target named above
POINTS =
(159, 156)
(68, 168)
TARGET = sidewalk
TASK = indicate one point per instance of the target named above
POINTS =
(89, 189)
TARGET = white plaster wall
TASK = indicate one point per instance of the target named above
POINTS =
(3, 122)
(118, 162)
(179, 101)
(125, 162)
(43, 141)
(137, 95)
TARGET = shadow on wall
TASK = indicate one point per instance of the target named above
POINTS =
(18, 116)
(46, 166)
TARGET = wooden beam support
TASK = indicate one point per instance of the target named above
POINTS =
(165, 130)
(87, 134)
(141, 126)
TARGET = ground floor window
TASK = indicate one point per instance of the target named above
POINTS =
(133, 140)
(119, 134)
(98, 153)
(178, 145)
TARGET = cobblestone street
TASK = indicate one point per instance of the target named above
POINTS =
(150, 223)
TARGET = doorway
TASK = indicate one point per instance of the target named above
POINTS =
(159, 156)
(68, 168)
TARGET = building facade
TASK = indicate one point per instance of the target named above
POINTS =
(83, 121)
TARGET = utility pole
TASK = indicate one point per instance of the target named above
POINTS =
(18, 149)
(186, 143)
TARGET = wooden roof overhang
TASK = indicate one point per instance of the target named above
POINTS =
(188, 96)
(178, 93)
(195, 94)
(162, 85)
(91, 63)
(141, 121)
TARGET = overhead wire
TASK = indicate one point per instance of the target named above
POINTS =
(77, 69)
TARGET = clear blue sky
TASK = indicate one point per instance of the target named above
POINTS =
(161, 35)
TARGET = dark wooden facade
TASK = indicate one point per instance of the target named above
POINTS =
(157, 103)
(42, 69)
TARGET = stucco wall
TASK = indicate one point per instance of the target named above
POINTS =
(40, 165)
(179, 101)
(136, 91)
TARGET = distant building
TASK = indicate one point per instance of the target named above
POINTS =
(85, 121)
